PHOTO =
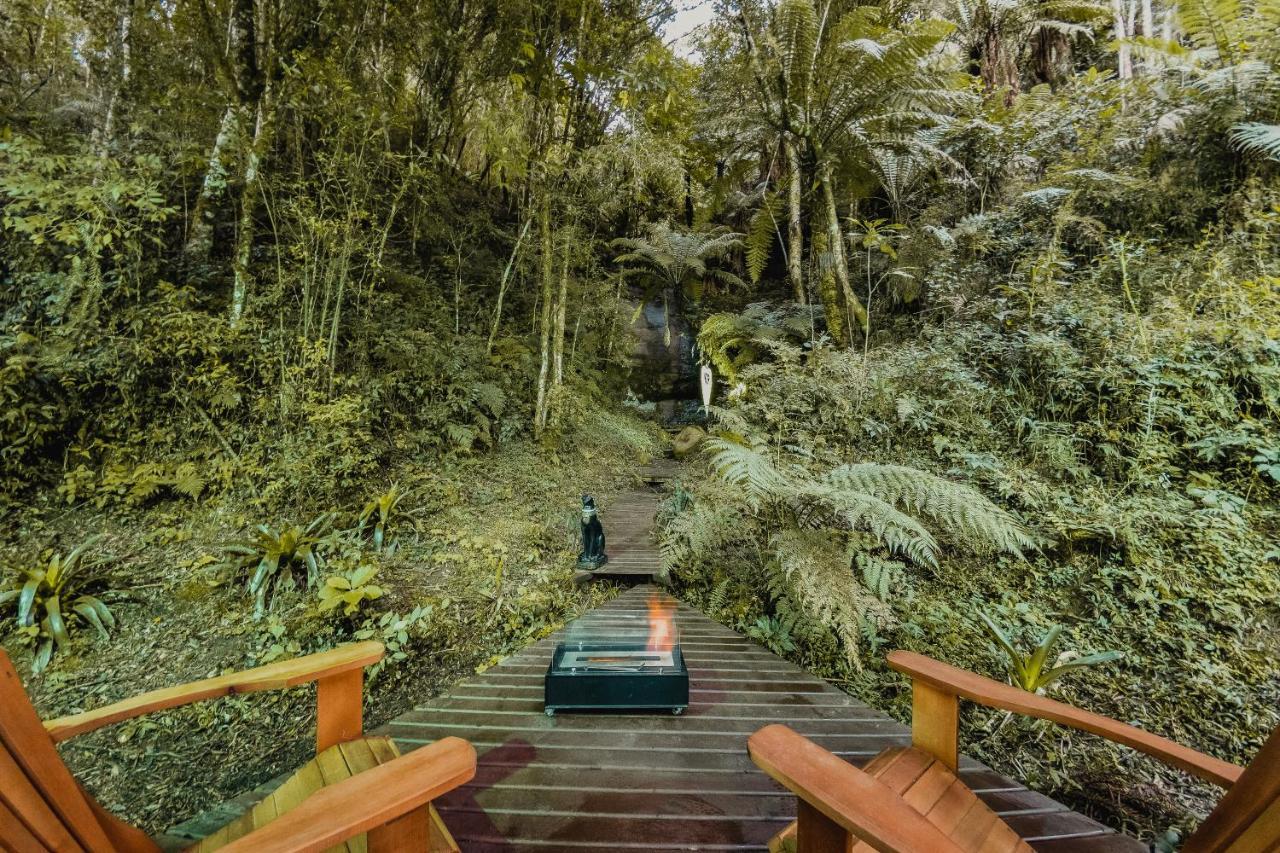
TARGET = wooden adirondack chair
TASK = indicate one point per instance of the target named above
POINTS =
(357, 794)
(909, 799)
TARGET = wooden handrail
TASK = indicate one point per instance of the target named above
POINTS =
(944, 678)
(339, 672)
(365, 801)
(841, 799)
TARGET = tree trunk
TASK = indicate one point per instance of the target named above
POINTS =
(1124, 63)
(547, 264)
(1051, 56)
(122, 68)
(557, 334)
(502, 288)
(795, 230)
(200, 237)
(997, 67)
(828, 291)
(246, 85)
(249, 203)
(839, 264)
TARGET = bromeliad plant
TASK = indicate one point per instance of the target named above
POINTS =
(378, 514)
(1031, 672)
(50, 599)
(270, 558)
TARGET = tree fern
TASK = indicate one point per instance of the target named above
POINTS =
(817, 580)
(678, 258)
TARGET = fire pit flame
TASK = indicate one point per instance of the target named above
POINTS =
(662, 635)
(632, 661)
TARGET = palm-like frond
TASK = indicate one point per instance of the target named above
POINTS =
(797, 37)
(678, 257)
(956, 506)
(1257, 138)
(888, 501)
(760, 235)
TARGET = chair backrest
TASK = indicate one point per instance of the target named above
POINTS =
(1247, 819)
(41, 806)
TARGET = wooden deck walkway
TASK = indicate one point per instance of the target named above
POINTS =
(614, 782)
(624, 781)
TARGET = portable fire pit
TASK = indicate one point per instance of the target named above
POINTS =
(635, 667)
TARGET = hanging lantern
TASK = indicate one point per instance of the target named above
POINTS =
(707, 382)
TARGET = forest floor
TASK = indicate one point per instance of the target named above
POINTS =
(488, 559)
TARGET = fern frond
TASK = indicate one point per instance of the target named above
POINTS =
(1257, 138)
(982, 525)
(797, 36)
(761, 233)
(750, 469)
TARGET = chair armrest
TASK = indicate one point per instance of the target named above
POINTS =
(853, 800)
(953, 681)
(335, 664)
(365, 801)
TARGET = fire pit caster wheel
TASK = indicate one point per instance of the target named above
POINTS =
(551, 712)
(675, 712)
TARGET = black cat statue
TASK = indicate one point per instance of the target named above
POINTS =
(592, 556)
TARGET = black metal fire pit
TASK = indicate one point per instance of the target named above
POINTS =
(603, 674)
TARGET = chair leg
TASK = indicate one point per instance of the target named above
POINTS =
(817, 833)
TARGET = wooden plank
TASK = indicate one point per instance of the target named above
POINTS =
(339, 708)
(15, 836)
(21, 799)
(364, 802)
(946, 678)
(652, 782)
(1257, 790)
(863, 805)
(935, 723)
(32, 750)
(275, 676)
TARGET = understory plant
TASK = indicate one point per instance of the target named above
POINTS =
(51, 597)
(270, 559)
(350, 590)
(1034, 672)
(378, 514)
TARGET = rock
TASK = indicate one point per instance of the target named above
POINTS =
(687, 441)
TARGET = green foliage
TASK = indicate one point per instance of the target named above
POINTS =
(1136, 447)
(680, 260)
(732, 341)
(774, 633)
(393, 631)
(1034, 672)
(762, 234)
(887, 501)
(811, 529)
(1257, 138)
(270, 559)
(350, 589)
(379, 513)
(50, 598)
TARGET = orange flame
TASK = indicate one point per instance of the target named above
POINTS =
(662, 635)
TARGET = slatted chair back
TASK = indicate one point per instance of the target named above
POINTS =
(41, 806)
(1247, 818)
